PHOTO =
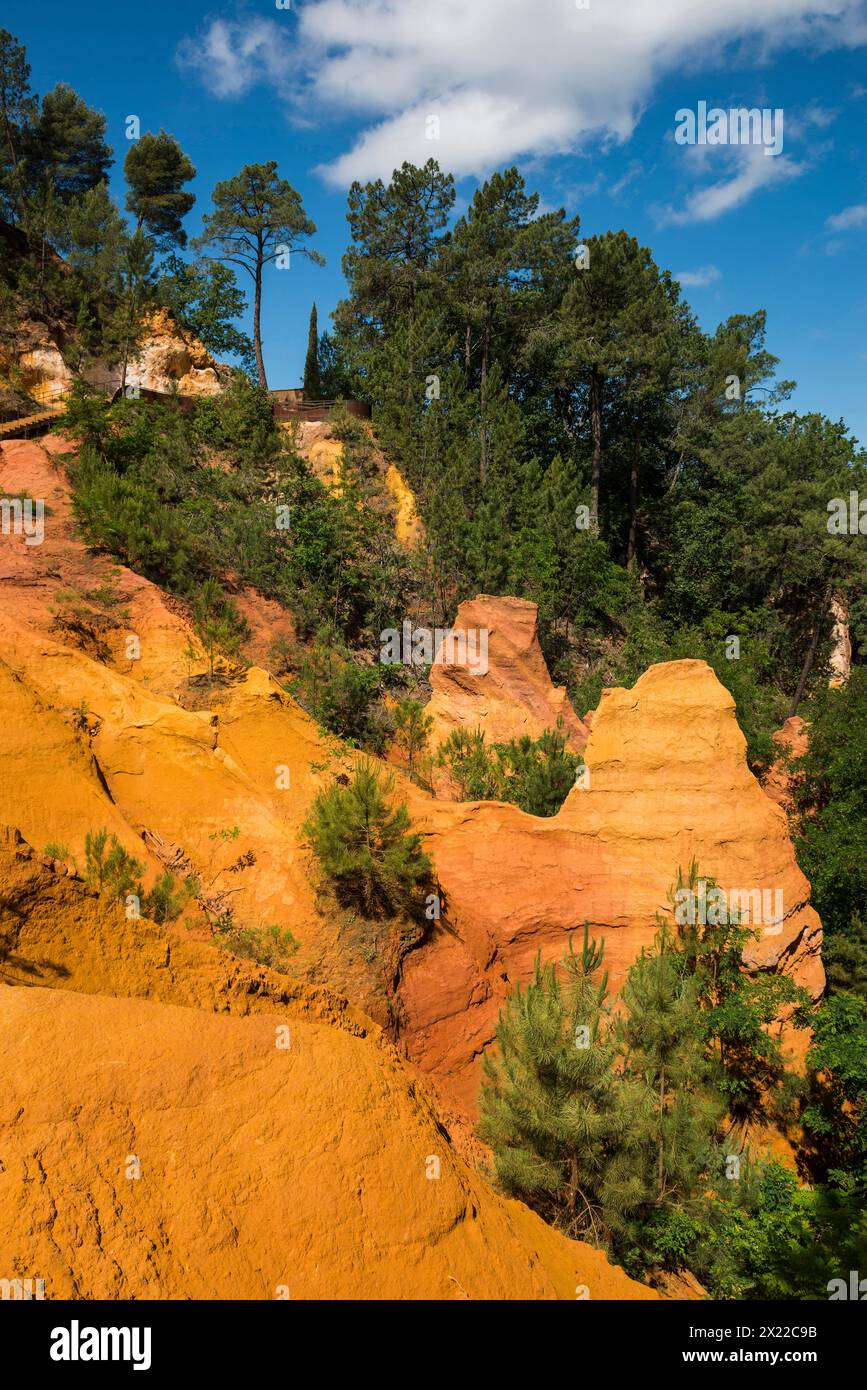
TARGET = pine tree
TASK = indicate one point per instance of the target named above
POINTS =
(365, 844)
(736, 1009)
(663, 1051)
(557, 1117)
(411, 729)
(312, 382)
(617, 323)
(156, 170)
(257, 217)
(67, 144)
(18, 110)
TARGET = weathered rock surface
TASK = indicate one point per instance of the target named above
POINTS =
(668, 784)
(841, 653)
(792, 742)
(170, 357)
(91, 737)
(262, 1141)
(316, 442)
(515, 695)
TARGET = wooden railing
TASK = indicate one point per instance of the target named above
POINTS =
(293, 409)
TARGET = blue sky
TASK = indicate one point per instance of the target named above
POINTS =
(582, 99)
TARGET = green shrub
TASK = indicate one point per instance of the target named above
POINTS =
(109, 868)
(337, 691)
(535, 774)
(165, 902)
(274, 946)
(365, 844)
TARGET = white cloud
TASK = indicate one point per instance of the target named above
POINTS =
(848, 219)
(232, 57)
(507, 78)
(692, 279)
(753, 171)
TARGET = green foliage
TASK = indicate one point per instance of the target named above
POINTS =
(336, 690)
(67, 145)
(835, 1114)
(764, 1237)
(218, 624)
(257, 216)
(205, 297)
(274, 946)
(165, 901)
(830, 787)
(558, 1119)
(156, 170)
(663, 1050)
(108, 867)
(411, 729)
(535, 774)
(735, 1008)
(365, 845)
(312, 384)
(632, 1121)
(18, 108)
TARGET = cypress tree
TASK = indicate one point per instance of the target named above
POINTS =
(312, 379)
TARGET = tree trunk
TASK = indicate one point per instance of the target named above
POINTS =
(128, 336)
(468, 353)
(633, 501)
(572, 1188)
(596, 426)
(483, 442)
(257, 324)
(810, 658)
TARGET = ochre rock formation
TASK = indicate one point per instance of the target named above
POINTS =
(668, 784)
(170, 357)
(408, 528)
(840, 660)
(316, 442)
(91, 737)
(214, 1131)
(515, 695)
(792, 741)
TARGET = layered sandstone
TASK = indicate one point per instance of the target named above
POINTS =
(514, 695)
(90, 736)
(668, 785)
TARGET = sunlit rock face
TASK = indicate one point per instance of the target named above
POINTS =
(668, 785)
(177, 1124)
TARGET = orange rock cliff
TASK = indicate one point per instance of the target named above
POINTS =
(304, 1158)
